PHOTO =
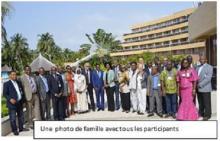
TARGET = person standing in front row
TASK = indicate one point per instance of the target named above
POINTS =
(169, 89)
(124, 89)
(141, 89)
(116, 70)
(109, 81)
(32, 98)
(81, 89)
(87, 72)
(14, 94)
(186, 80)
(56, 89)
(71, 99)
(64, 96)
(98, 83)
(204, 88)
(44, 94)
(154, 92)
(133, 86)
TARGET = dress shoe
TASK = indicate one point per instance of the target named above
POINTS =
(24, 129)
(205, 118)
(16, 133)
(160, 115)
(150, 115)
(174, 116)
(140, 113)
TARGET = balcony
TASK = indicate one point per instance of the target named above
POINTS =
(156, 37)
(157, 27)
(156, 46)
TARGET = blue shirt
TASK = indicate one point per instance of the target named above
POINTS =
(155, 79)
(45, 83)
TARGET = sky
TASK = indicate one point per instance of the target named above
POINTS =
(68, 22)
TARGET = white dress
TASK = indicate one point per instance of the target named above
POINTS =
(80, 89)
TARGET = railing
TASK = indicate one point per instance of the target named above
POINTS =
(157, 27)
(167, 35)
(154, 46)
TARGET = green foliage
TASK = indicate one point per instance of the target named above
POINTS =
(104, 40)
(4, 107)
(16, 53)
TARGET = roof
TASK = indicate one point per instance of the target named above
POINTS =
(41, 61)
(6, 68)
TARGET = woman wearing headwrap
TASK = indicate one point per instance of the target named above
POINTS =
(80, 89)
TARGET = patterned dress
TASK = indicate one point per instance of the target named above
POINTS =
(187, 109)
(72, 96)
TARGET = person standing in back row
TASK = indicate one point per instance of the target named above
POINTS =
(204, 88)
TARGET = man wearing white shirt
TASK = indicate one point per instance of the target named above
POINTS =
(133, 86)
(13, 92)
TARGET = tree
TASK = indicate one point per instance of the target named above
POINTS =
(20, 50)
(6, 9)
(105, 42)
(16, 53)
(46, 44)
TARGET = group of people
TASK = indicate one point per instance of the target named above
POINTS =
(166, 89)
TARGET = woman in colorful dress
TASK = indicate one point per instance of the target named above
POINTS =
(186, 80)
(72, 99)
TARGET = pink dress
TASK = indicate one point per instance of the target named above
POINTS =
(187, 109)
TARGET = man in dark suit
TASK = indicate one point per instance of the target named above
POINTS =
(98, 83)
(44, 94)
(87, 72)
(14, 94)
(56, 90)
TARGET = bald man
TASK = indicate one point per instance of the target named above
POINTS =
(204, 88)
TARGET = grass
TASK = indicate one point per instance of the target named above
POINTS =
(4, 107)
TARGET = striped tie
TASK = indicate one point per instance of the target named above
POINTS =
(32, 84)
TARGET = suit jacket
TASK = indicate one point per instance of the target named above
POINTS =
(87, 78)
(56, 85)
(96, 80)
(150, 87)
(41, 87)
(205, 77)
(26, 86)
(10, 92)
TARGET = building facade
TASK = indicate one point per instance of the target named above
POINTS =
(201, 28)
(165, 36)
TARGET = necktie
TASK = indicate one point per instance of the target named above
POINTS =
(32, 85)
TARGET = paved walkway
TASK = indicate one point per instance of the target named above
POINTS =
(105, 115)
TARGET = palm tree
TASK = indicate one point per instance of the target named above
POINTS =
(105, 42)
(46, 44)
(6, 10)
(19, 51)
